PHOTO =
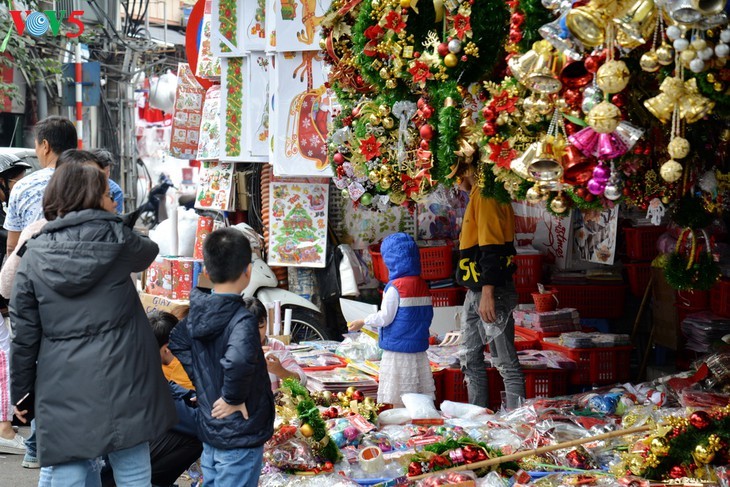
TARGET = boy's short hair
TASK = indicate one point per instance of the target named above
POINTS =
(162, 324)
(256, 308)
(226, 254)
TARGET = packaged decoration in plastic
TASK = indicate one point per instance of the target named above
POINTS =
(293, 454)
(464, 479)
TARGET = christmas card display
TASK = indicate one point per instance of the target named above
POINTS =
(227, 40)
(210, 131)
(257, 106)
(215, 186)
(254, 23)
(548, 233)
(594, 235)
(158, 278)
(298, 223)
(302, 112)
(232, 108)
(209, 65)
(189, 98)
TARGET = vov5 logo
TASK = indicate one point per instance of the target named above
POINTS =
(38, 23)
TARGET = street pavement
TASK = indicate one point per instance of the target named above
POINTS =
(12, 474)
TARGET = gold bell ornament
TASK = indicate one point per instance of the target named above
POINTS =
(683, 94)
(544, 77)
(650, 60)
(520, 66)
(587, 23)
(636, 22)
(519, 164)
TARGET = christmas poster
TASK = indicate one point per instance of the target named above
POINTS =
(295, 25)
(189, 98)
(595, 235)
(210, 131)
(298, 223)
(254, 23)
(535, 227)
(209, 65)
(229, 19)
(232, 108)
(257, 106)
(302, 113)
(215, 186)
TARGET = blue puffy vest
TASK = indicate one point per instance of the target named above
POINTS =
(408, 333)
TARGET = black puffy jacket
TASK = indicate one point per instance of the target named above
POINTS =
(220, 348)
(75, 311)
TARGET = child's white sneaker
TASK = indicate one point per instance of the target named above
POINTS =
(14, 446)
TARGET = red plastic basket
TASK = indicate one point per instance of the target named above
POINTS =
(530, 334)
(545, 302)
(602, 365)
(454, 388)
(523, 343)
(436, 262)
(641, 242)
(593, 301)
(720, 299)
(448, 296)
(343, 363)
(438, 380)
(639, 274)
(529, 271)
(684, 311)
(524, 296)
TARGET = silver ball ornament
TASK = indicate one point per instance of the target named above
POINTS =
(592, 96)
(725, 35)
(680, 44)
(454, 46)
(673, 32)
(706, 53)
(612, 191)
(722, 50)
(696, 65)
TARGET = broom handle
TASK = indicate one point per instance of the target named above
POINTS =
(537, 451)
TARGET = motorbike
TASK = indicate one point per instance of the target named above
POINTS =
(308, 323)
(148, 213)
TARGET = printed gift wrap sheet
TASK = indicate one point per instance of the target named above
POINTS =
(209, 65)
(189, 100)
(549, 234)
(210, 130)
(215, 186)
(302, 111)
(233, 109)
(254, 23)
(294, 25)
(257, 106)
(595, 235)
(298, 223)
(227, 40)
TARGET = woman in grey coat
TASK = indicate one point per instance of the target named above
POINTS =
(82, 343)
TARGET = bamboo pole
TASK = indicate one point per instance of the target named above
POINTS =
(537, 451)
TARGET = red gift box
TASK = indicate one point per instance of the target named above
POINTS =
(182, 277)
(159, 278)
(205, 227)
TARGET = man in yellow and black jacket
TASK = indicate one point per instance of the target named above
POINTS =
(485, 267)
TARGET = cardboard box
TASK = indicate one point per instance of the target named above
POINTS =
(242, 191)
(159, 303)
(664, 313)
(182, 277)
(200, 277)
(158, 278)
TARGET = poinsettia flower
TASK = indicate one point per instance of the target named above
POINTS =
(420, 72)
(462, 25)
(370, 147)
(410, 185)
(394, 22)
(502, 154)
(503, 102)
(374, 32)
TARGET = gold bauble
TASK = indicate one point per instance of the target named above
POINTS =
(405, 3)
(542, 106)
(671, 171)
(703, 455)
(604, 117)
(665, 54)
(450, 60)
(711, 77)
(384, 73)
(528, 103)
(636, 465)
(386, 182)
(718, 87)
(561, 104)
(397, 197)
(649, 62)
(659, 446)
(327, 396)
(373, 176)
(678, 148)
(613, 76)
(665, 200)
(698, 44)
(686, 56)
(350, 391)
(374, 119)
(388, 123)
(306, 430)
(534, 195)
(391, 83)
(384, 110)
(559, 204)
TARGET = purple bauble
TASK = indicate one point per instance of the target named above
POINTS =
(596, 188)
(601, 173)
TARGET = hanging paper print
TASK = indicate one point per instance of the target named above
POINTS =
(215, 186)
(254, 24)
(209, 142)
(233, 109)
(189, 98)
(209, 65)
(257, 106)
(294, 25)
(229, 20)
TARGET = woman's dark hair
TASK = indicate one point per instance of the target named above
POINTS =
(256, 308)
(58, 131)
(78, 156)
(74, 187)
(104, 157)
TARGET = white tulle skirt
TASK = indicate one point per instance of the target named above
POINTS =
(401, 373)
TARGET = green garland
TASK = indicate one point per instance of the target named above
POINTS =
(689, 212)
(489, 24)
(582, 204)
(309, 414)
(721, 98)
(491, 188)
(535, 17)
(445, 143)
(702, 275)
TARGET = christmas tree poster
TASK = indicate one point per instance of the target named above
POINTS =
(298, 223)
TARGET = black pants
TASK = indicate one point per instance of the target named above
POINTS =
(171, 455)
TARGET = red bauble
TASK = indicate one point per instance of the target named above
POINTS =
(571, 128)
(426, 131)
(471, 453)
(700, 420)
(358, 396)
(424, 145)
(488, 113)
(442, 49)
(677, 472)
(589, 197)
(580, 192)
(515, 36)
(339, 158)
(414, 469)
(595, 61)
(572, 97)
(464, 58)
(619, 99)
(517, 19)
(489, 129)
(421, 102)
(426, 112)
(626, 191)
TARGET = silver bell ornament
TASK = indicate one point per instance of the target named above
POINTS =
(612, 191)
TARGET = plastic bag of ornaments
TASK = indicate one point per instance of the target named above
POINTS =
(279, 479)
(462, 479)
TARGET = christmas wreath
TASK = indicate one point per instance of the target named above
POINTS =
(697, 270)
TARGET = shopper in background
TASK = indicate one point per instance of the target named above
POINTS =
(220, 347)
(82, 344)
(107, 162)
(485, 267)
(53, 135)
(404, 320)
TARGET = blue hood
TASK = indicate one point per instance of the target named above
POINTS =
(401, 256)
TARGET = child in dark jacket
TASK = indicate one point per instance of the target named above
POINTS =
(219, 347)
(404, 319)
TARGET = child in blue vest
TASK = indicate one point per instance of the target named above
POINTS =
(404, 319)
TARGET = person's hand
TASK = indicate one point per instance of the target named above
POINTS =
(273, 364)
(221, 409)
(355, 325)
(20, 415)
(487, 310)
